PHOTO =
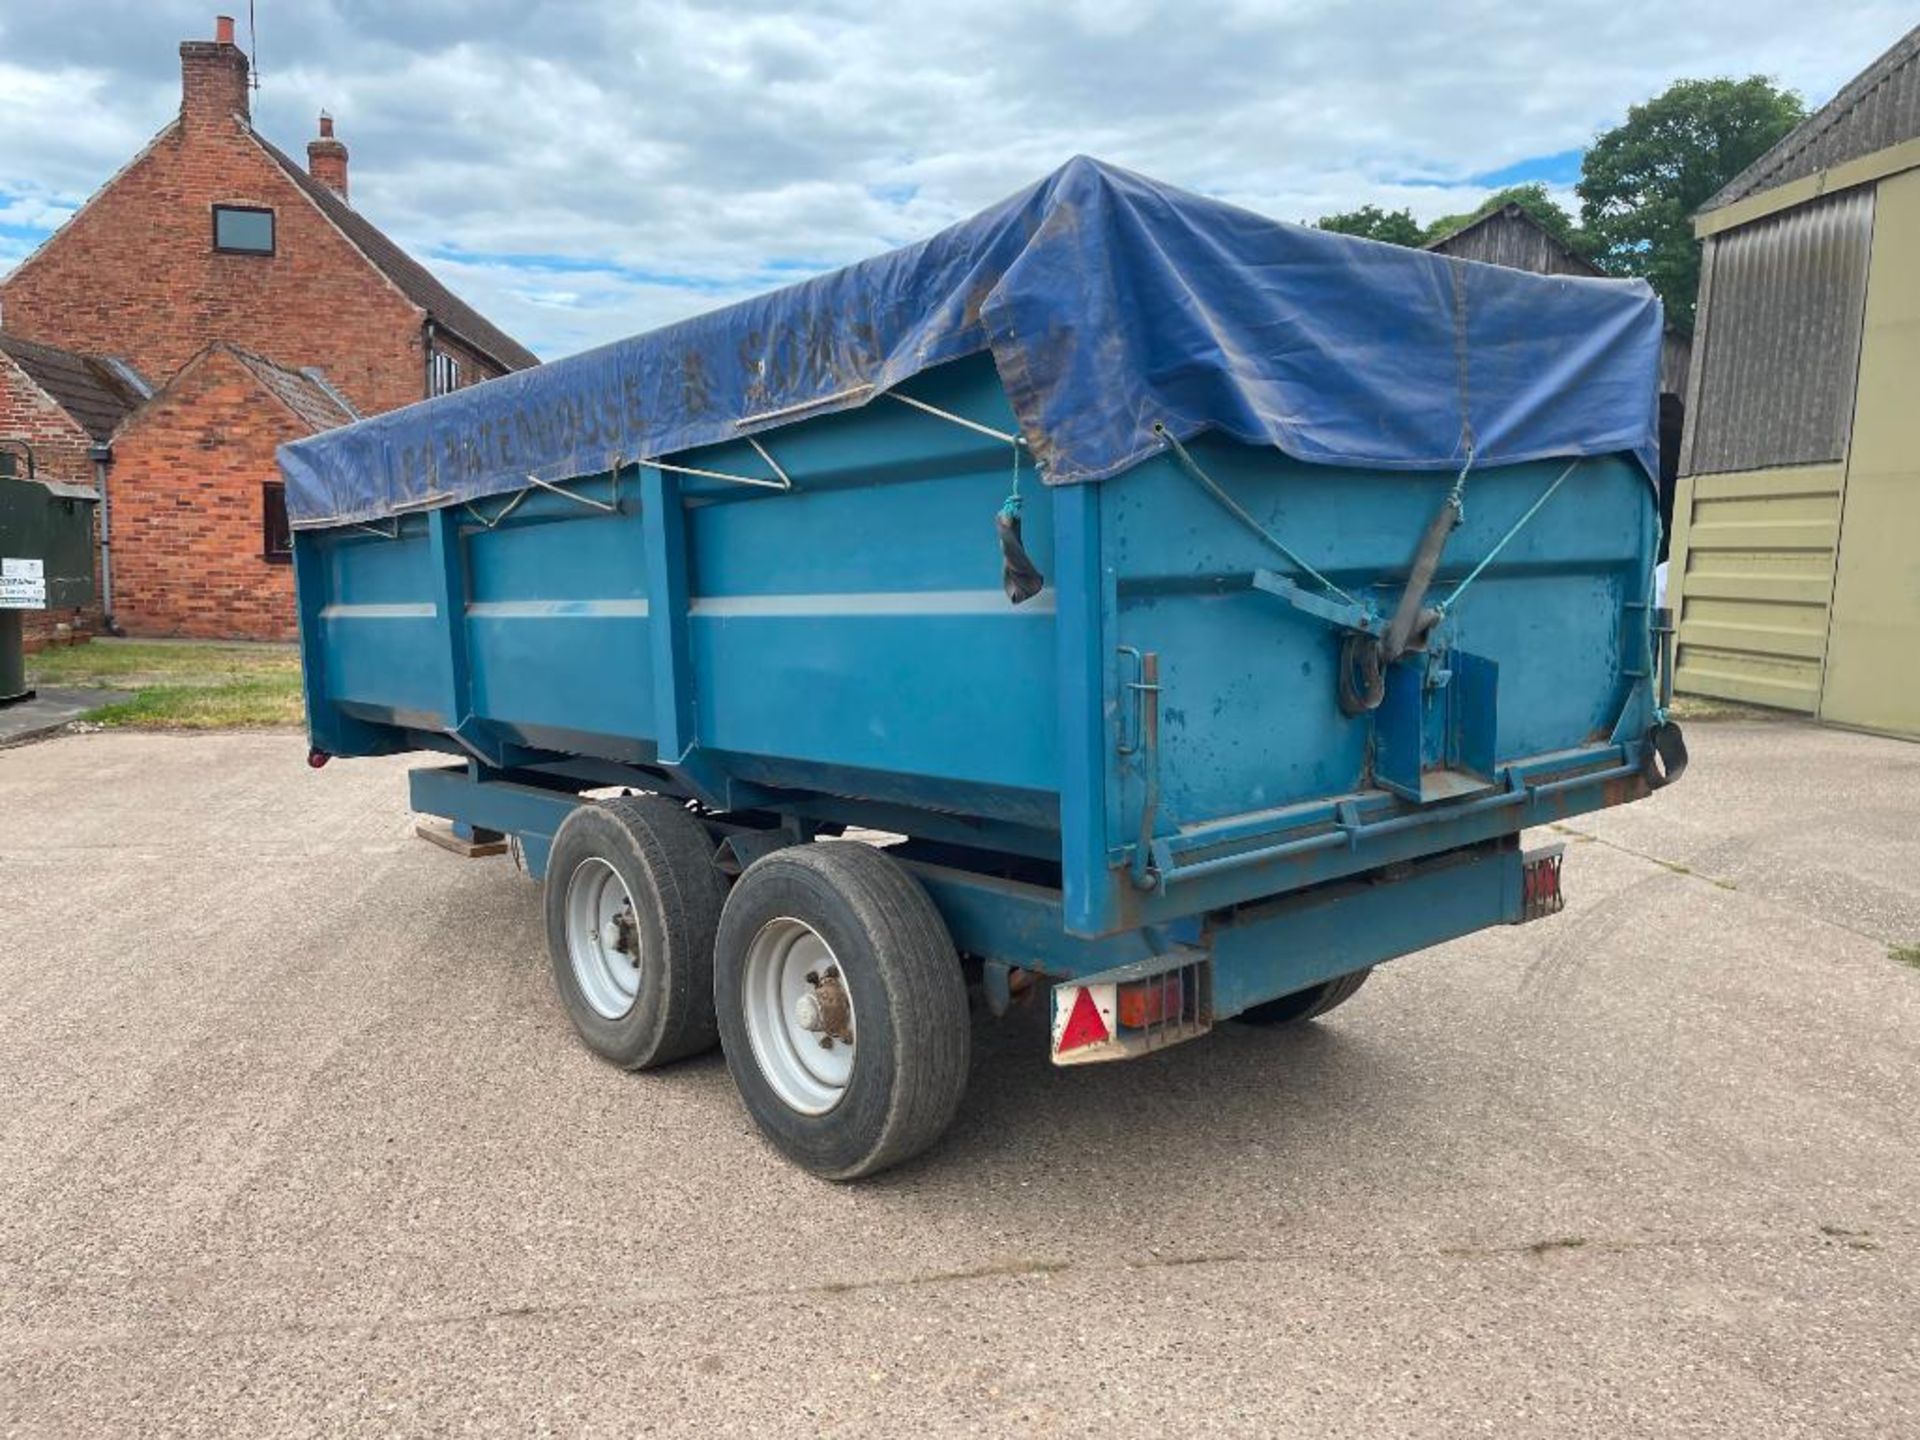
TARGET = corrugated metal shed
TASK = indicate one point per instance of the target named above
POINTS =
(1796, 579)
(1881, 107)
(1875, 630)
(1755, 559)
(1779, 337)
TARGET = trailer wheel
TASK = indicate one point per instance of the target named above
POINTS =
(1308, 1004)
(842, 1009)
(632, 901)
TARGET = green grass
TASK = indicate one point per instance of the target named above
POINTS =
(180, 685)
(1906, 955)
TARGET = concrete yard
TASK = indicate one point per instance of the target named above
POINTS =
(294, 1138)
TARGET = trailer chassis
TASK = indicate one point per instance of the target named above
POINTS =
(1006, 910)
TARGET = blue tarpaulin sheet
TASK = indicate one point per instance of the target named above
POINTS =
(1109, 302)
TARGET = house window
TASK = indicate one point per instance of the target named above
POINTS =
(446, 373)
(276, 542)
(242, 230)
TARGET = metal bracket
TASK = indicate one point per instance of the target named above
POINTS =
(586, 500)
(742, 847)
(505, 510)
(960, 420)
(1663, 641)
(782, 480)
(1342, 615)
(996, 983)
(786, 412)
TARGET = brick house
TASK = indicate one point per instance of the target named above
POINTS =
(211, 559)
(61, 409)
(210, 255)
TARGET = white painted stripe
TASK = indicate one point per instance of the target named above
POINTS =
(556, 609)
(424, 611)
(895, 602)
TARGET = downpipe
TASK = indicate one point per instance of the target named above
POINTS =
(102, 457)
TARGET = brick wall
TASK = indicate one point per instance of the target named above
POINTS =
(135, 274)
(473, 368)
(60, 453)
(187, 519)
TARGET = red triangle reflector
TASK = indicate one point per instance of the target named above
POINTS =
(1084, 1025)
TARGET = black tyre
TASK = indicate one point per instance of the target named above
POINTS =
(842, 1008)
(633, 900)
(1307, 1004)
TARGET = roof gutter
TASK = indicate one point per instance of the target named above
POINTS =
(1863, 170)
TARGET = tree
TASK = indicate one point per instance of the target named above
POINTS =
(1533, 198)
(1370, 222)
(1642, 181)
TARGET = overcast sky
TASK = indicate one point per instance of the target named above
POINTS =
(585, 171)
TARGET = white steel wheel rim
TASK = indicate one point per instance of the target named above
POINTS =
(809, 1077)
(606, 962)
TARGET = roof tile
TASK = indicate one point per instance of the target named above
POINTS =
(87, 387)
(414, 280)
(306, 394)
(1878, 108)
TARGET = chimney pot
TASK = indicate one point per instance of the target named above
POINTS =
(213, 78)
(327, 158)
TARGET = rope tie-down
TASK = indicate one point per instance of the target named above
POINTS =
(1370, 646)
(1368, 658)
(1364, 658)
(1019, 576)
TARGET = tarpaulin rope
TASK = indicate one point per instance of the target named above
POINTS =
(1534, 509)
(1239, 512)
(1010, 507)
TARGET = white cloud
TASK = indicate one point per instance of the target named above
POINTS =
(593, 170)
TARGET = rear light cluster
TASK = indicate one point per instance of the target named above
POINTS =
(1540, 892)
(1120, 1014)
(1149, 1002)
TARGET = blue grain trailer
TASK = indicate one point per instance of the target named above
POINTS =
(1204, 605)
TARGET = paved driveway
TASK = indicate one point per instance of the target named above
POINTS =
(293, 1137)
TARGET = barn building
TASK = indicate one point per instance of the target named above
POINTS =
(1796, 567)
